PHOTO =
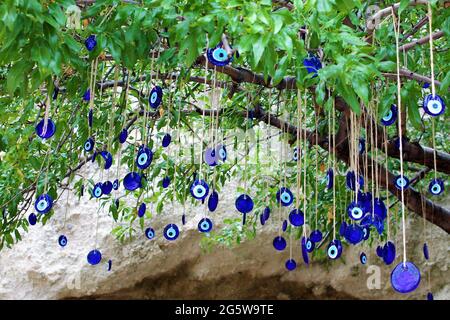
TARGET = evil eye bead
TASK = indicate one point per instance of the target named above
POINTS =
(123, 135)
(350, 180)
(312, 64)
(354, 234)
(90, 42)
(366, 232)
(87, 95)
(222, 152)
(390, 117)
(43, 203)
(329, 178)
(334, 249)
(89, 145)
(115, 184)
(379, 251)
(48, 132)
(362, 145)
(430, 296)
(284, 226)
(401, 182)
(150, 233)
(107, 187)
(342, 228)
(108, 159)
(155, 97)
(363, 258)
(183, 219)
(90, 117)
(166, 140)
(132, 181)
(97, 191)
(141, 210)
(426, 253)
(405, 277)
(433, 105)
(388, 253)
(199, 189)
(304, 250)
(295, 154)
(309, 245)
(266, 213)
(171, 232)
(205, 225)
(32, 219)
(144, 158)
(379, 208)
(244, 203)
(436, 187)
(62, 240)
(261, 219)
(296, 218)
(94, 257)
(165, 182)
(109, 265)
(279, 243)
(285, 197)
(355, 212)
(316, 236)
(211, 157)
(291, 264)
(213, 201)
(218, 56)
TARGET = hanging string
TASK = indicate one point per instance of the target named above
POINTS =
(305, 164)
(396, 22)
(203, 110)
(334, 169)
(387, 181)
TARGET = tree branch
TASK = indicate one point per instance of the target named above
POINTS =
(426, 39)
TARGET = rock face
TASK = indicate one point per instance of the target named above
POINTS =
(37, 268)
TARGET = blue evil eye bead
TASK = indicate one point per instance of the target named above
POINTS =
(123, 135)
(261, 219)
(107, 187)
(425, 251)
(329, 178)
(141, 210)
(32, 219)
(304, 250)
(90, 117)
(405, 277)
(213, 201)
(279, 243)
(97, 191)
(218, 56)
(244, 203)
(43, 203)
(355, 211)
(94, 156)
(366, 232)
(390, 117)
(309, 245)
(379, 251)
(379, 208)
(388, 253)
(363, 258)
(165, 182)
(295, 154)
(296, 218)
(205, 225)
(367, 221)
(55, 93)
(87, 95)
(433, 105)
(166, 140)
(90, 42)
(266, 213)
(62, 240)
(108, 159)
(378, 224)
(109, 266)
(150, 233)
(199, 189)
(144, 158)
(183, 219)
(132, 181)
(362, 145)
(436, 187)
(342, 228)
(430, 296)
(117, 203)
(291, 264)
(316, 236)
(285, 197)
(89, 145)
(221, 152)
(350, 180)
(401, 182)
(354, 234)
(49, 132)
(284, 226)
(334, 249)
(211, 157)
(115, 184)
(155, 97)
(312, 64)
(94, 257)
(171, 232)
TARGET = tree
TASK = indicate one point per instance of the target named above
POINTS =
(46, 65)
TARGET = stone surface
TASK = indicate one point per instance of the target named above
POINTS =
(37, 268)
